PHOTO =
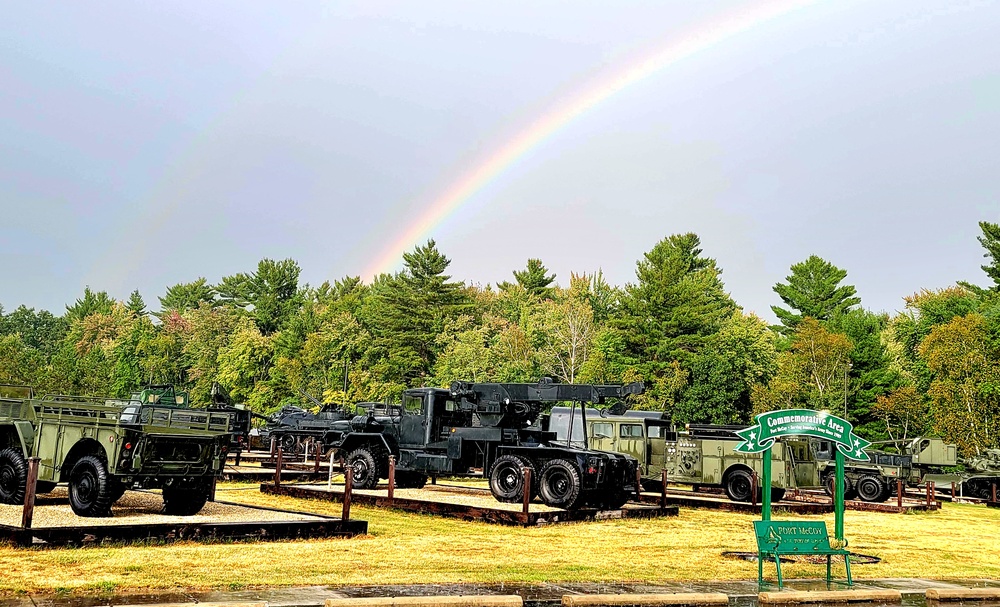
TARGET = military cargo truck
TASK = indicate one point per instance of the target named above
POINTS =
(919, 460)
(488, 429)
(101, 448)
(701, 455)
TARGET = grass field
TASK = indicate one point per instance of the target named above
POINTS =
(958, 541)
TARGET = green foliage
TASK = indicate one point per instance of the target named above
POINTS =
(991, 242)
(135, 304)
(406, 312)
(811, 374)
(91, 303)
(933, 367)
(965, 391)
(740, 356)
(39, 330)
(813, 290)
(19, 363)
(673, 309)
(243, 365)
(271, 294)
(534, 279)
(871, 373)
(187, 296)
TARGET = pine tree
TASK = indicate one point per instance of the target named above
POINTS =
(813, 290)
(187, 296)
(407, 311)
(674, 308)
(534, 279)
(991, 242)
(135, 304)
(90, 303)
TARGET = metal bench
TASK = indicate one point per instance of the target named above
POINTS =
(777, 538)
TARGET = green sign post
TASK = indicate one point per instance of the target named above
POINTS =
(803, 422)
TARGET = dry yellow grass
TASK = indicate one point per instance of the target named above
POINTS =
(958, 541)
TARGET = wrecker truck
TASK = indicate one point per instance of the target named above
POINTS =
(490, 429)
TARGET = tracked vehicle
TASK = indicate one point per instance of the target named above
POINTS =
(488, 429)
(101, 448)
(292, 427)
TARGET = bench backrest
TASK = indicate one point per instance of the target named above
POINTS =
(792, 537)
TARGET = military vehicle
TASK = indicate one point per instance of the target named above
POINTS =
(871, 481)
(919, 460)
(101, 448)
(488, 429)
(701, 455)
(292, 427)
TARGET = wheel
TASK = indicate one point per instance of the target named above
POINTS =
(559, 484)
(871, 488)
(981, 489)
(290, 444)
(830, 479)
(777, 495)
(365, 467)
(90, 487)
(13, 476)
(738, 485)
(507, 478)
(185, 500)
(410, 480)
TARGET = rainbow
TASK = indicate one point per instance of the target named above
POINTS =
(461, 191)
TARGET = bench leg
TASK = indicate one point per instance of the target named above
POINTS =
(760, 569)
(847, 565)
(777, 565)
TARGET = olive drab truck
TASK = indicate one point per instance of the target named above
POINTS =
(101, 448)
(920, 460)
(701, 455)
(488, 429)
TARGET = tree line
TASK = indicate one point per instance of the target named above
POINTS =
(932, 368)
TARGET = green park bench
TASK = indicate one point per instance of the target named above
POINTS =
(777, 538)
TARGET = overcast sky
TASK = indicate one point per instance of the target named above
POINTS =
(162, 141)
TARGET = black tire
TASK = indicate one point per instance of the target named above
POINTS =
(13, 476)
(849, 490)
(738, 485)
(872, 488)
(559, 484)
(185, 500)
(777, 495)
(507, 479)
(364, 463)
(406, 479)
(90, 487)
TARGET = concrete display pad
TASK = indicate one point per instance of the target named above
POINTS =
(136, 516)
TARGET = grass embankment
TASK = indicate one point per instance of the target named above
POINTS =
(958, 541)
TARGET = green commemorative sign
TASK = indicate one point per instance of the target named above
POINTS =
(802, 422)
